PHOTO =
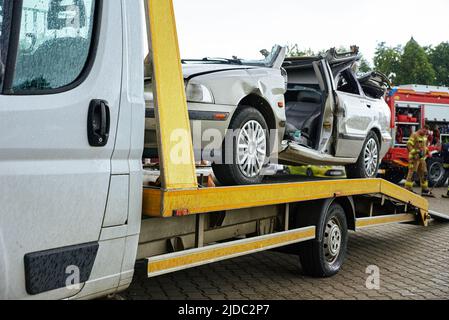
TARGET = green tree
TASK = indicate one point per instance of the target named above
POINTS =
(388, 60)
(294, 51)
(415, 66)
(364, 66)
(439, 57)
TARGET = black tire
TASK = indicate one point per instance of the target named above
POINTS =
(310, 173)
(358, 170)
(395, 176)
(437, 174)
(316, 257)
(231, 174)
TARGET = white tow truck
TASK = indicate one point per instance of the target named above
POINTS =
(75, 215)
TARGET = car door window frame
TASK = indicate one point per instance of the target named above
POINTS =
(361, 94)
(13, 46)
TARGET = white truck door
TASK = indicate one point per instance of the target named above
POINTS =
(59, 107)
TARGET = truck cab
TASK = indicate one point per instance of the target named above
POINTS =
(72, 130)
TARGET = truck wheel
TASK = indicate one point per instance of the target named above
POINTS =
(324, 256)
(250, 147)
(394, 176)
(437, 173)
(367, 166)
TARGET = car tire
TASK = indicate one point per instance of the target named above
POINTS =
(324, 256)
(309, 173)
(361, 169)
(240, 172)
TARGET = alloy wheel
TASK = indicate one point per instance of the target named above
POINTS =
(251, 148)
(371, 156)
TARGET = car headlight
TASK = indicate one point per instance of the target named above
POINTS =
(199, 93)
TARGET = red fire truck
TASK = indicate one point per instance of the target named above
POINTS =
(413, 106)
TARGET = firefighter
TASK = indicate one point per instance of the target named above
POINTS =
(418, 154)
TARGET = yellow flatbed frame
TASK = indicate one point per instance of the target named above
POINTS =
(160, 203)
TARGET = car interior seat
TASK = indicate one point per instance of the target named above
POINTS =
(304, 114)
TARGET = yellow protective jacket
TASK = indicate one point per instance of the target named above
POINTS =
(418, 147)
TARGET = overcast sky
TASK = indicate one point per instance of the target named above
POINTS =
(223, 28)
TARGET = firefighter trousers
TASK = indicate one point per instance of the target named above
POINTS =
(419, 166)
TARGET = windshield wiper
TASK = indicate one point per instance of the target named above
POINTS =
(215, 60)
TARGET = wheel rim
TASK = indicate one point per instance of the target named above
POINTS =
(371, 158)
(252, 149)
(436, 172)
(332, 241)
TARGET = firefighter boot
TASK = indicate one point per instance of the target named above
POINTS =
(409, 186)
(446, 196)
(425, 191)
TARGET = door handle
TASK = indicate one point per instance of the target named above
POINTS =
(98, 123)
(369, 106)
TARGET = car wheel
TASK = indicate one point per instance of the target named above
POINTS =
(310, 173)
(324, 256)
(248, 151)
(367, 166)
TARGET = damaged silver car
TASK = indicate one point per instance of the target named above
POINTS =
(310, 110)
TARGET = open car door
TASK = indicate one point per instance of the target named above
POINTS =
(318, 129)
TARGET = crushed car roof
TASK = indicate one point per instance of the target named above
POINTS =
(334, 58)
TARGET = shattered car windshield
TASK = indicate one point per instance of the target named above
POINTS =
(269, 57)
(266, 59)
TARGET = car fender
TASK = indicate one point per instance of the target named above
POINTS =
(232, 86)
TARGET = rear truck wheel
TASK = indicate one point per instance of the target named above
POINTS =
(324, 256)
(367, 166)
(249, 148)
(395, 176)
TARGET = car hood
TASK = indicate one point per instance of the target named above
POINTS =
(193, 70)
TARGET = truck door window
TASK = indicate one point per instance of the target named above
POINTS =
(54, 44)
(3, 42)
(1, 17)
